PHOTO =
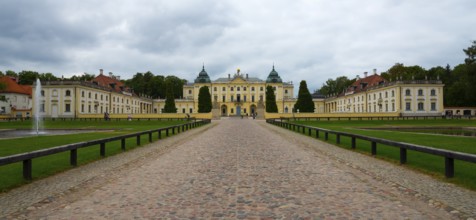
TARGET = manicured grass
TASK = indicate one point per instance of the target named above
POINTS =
(465, 174)
(11, 175)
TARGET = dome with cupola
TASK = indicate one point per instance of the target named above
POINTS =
(203, 76)
(273, 77)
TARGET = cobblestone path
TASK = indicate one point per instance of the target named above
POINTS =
(238, 169)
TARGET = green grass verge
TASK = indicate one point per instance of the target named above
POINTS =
(429, 164)
(11, 175)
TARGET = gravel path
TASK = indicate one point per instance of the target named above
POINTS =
(240, 169)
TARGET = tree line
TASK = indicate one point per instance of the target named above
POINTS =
(146, 84)
(460, 81)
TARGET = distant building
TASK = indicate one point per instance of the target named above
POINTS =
(373, 94)
(79, 98)
(237, 94)
(15, 99)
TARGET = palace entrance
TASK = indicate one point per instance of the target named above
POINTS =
(223, 110)
(238, 110)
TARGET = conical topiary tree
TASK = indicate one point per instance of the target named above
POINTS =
(204, 100)
(169, 100)
(304, 102)
(271, 100)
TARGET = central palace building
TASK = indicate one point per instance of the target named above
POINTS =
(241, 94)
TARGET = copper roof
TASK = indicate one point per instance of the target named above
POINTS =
(13, 87)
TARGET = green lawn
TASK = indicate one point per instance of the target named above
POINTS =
(11, 175)
(465, 174)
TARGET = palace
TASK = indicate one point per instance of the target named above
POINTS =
(237, 94)
(373, 94)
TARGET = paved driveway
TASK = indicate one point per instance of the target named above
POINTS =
(238, 169)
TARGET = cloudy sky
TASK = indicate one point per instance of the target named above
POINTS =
(310, 40)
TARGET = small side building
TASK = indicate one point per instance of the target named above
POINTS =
(15, 99)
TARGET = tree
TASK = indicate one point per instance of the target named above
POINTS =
(304, 102)
(471, 53)
(204, 100)
(169, 100)
(271, 100)
(335, 86)
(27, 77)
(83, 77)
(11, 73)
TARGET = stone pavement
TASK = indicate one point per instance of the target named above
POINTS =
(240, 169)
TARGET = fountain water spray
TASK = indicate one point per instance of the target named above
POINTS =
(37, 116)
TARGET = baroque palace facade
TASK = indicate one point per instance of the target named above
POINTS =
(240, 94)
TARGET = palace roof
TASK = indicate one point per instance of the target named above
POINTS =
(110, 82)
(13, 87)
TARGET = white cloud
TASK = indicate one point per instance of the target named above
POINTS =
(307, 40)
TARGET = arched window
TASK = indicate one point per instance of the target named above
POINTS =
(407, 92)
(420, 92)
(67, 93)
(420, 106)
(433, 92)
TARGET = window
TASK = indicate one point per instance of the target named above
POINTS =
(231, 110)
(252, 89)
(232, 99)
(393, 93)
(89, 108)
(380, 95)
(67, 93)
(96, 96)
(375, 97)
(223, 89)
(214, 89)
(420, 106)
(252, 98)
(183, 110)
(106, 100)
(386, 107)
(42, 107)
(189, 91)
(82, 107)
(223, 99)
(244, 88)
(43, 93)
(101, 97)
(238, 88)
(285, 91)
(420, 92)
(67, 108)
(407, 92)
(370, 98)
(408, 106)
(433, 106)
(89, 94)
(393, 106)
(433, 92)
(191, 110)
(231, 89)
(82, 94)
(261, 88)
(244, 98)
(386, 94)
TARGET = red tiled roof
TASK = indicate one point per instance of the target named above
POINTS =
(107, 81)
(369, 81)
(13, 87)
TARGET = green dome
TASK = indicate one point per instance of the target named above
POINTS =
(203, 77)
(273, 77)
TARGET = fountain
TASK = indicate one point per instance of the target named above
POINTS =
(37, 123)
